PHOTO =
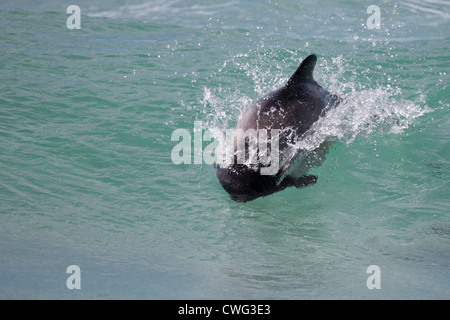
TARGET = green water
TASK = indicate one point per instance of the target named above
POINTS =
(86, 176)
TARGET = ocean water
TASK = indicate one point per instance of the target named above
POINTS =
(87, 178)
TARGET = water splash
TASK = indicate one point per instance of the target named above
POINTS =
(364, 111)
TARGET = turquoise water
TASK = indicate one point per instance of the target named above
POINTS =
(86, 176)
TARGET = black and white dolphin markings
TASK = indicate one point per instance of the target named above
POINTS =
(292, 109)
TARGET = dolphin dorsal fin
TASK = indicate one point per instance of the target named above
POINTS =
(304, 71)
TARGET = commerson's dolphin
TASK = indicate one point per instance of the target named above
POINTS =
(292, 110)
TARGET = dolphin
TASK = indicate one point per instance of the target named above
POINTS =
(292, 109)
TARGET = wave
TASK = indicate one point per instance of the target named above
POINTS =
(163, 8)
(430, 7)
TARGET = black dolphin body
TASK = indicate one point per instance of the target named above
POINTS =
(296, 105)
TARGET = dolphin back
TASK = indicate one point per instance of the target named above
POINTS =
(305, 71)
